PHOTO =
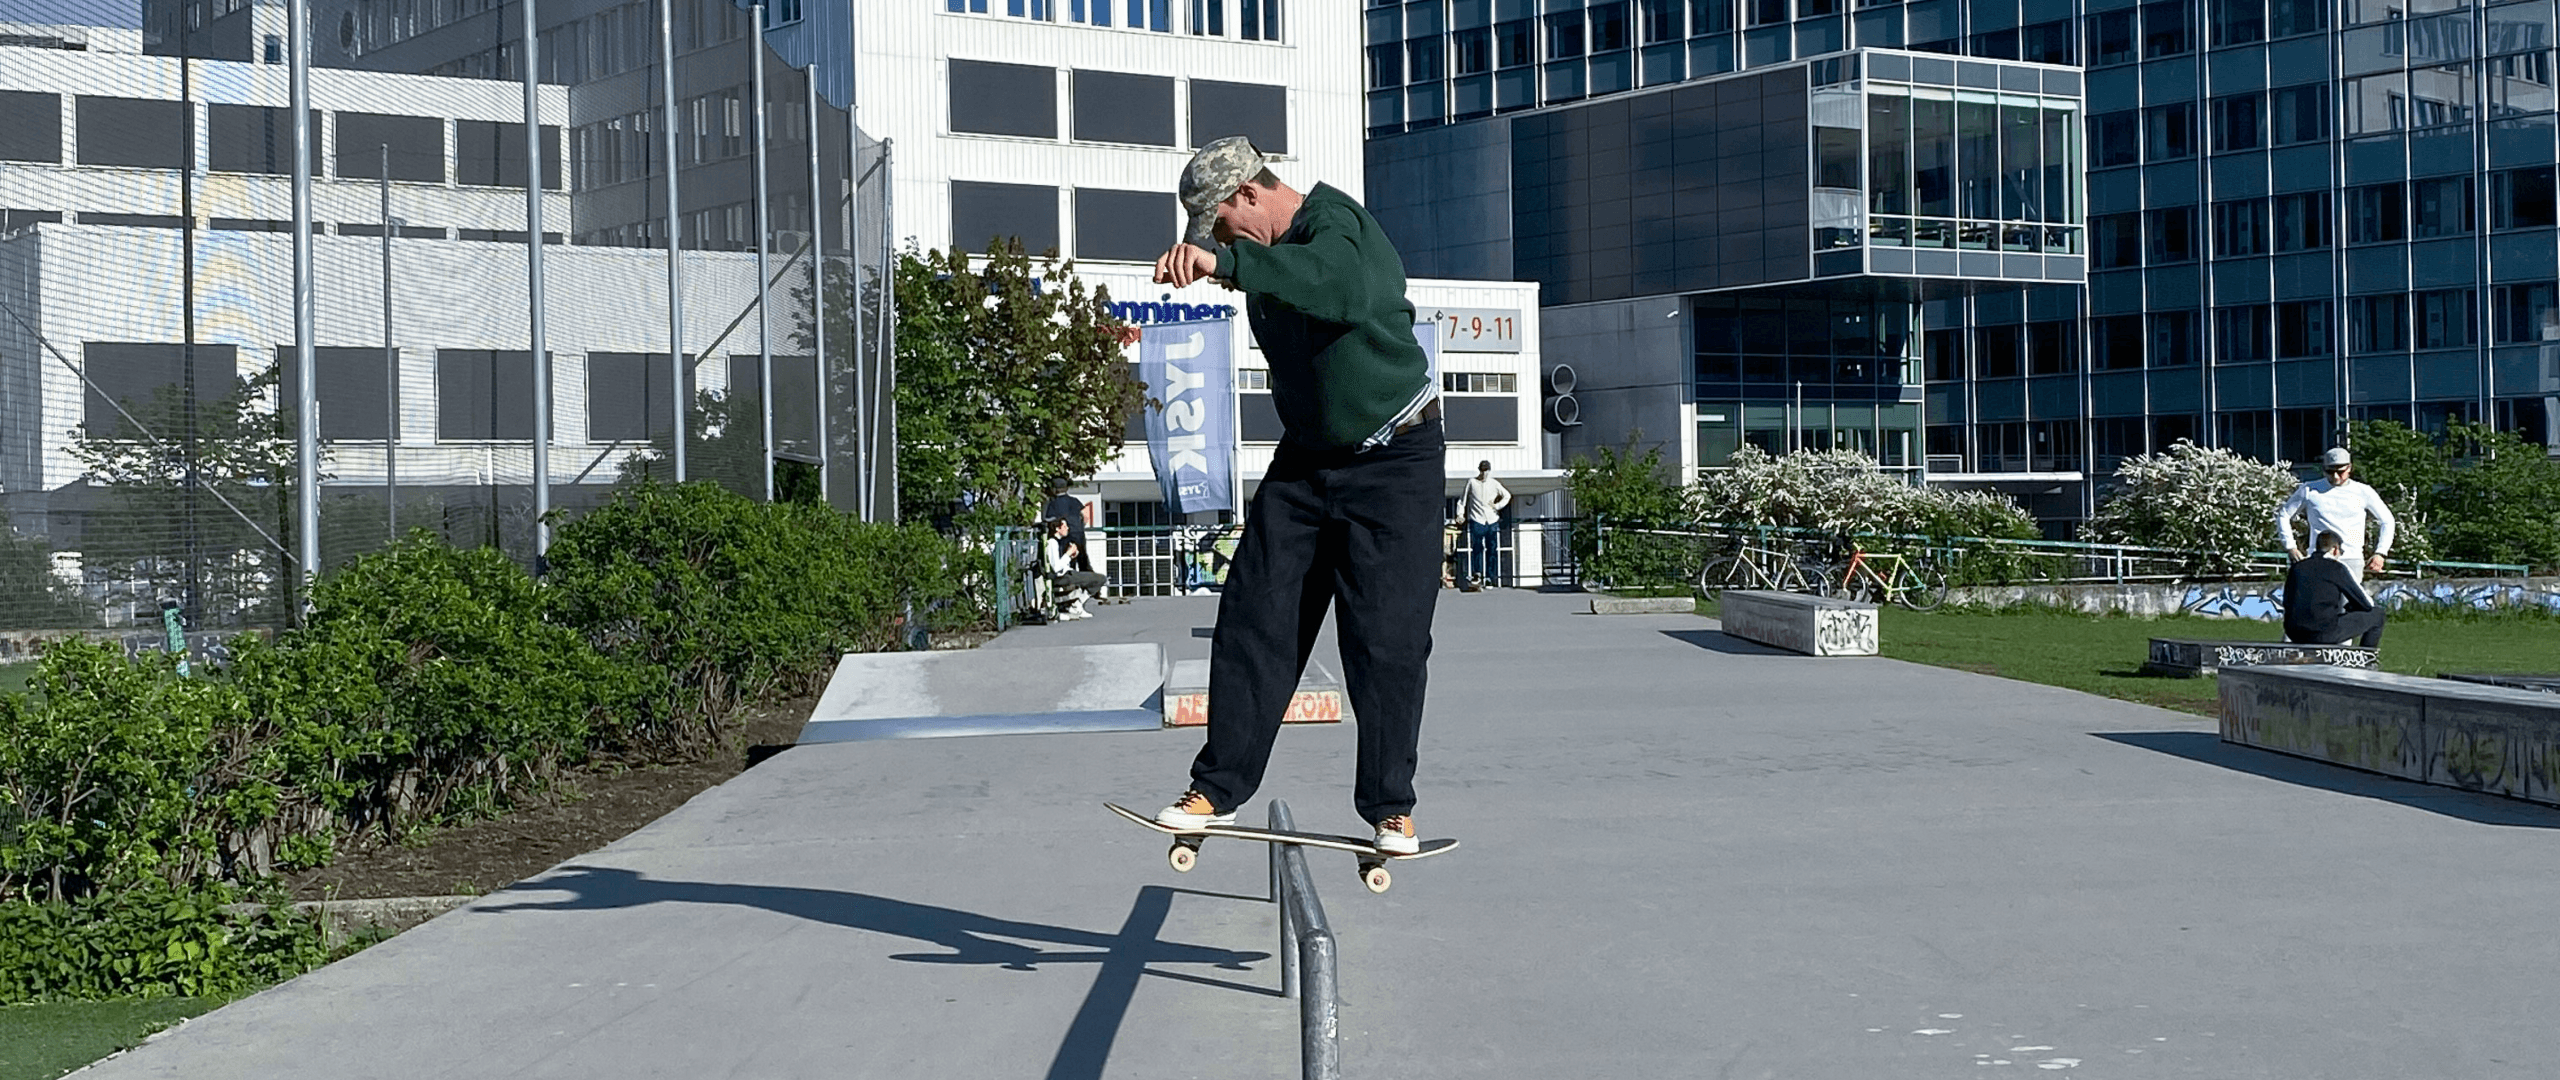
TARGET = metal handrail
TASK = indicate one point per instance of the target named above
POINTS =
(1307, 953)
(2114, 556)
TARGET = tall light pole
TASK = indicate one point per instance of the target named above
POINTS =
(535, 290)
(305, 393)
(675, 229)
(764, 278)
(390, 361)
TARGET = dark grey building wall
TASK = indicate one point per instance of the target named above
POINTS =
(1444, 196)
(1632, 360)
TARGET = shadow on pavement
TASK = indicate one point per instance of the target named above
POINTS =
(1719, 641)
(973, 938)
(2208, 748)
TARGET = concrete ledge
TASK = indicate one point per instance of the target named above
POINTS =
(2434, 731)
(1320, 698)
(341, 919)
(1813, 625)
(922, 695)
(1644, 605)
(2186, 658)
(2548, 684)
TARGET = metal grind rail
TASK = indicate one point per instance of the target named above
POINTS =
(1307, 952)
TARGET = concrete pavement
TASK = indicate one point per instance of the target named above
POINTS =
(1685, 856)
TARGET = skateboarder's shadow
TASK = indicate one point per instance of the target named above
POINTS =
(972, 938)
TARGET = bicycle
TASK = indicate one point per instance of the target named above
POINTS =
(1889, 577)
(1750, 567)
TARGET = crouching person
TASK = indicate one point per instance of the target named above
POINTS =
(2323, 603)
(1071, 586)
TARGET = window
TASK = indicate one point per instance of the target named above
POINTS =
(2240, 228)
(1260, 21)
(1112, 107)
(2374, 104)
(1386, 66)
(1471, 52)
(2116, 240)
(2376, 214)
(2301, 222)
(2053, 348)
(627, 397)
(2521, 198)
(31, 126)
(1024, 212)
(2111, 38)
(2166, 29)
(2240, 334)
(1004, 99)
(2115, 343)
(491, 154)
(482, 394)
(2377, 324)
(1256, 111)
(2440, 207)
(2239, 122)
(1515, 44)
(2047, 43)
(1422, 60)
(2173, 338)
(2524, 314)
(1661, 19)
(1995, 352)
(1608, 27)
(354, 390)
(1710, 16)
(1764, 12)
(1132, 226)
(2302, 329)
(416, 142)
(2238, 22)
(2115, 138)
(1942, 354)
(2172, 232)
(1564, 35)
(135, 375)
(2298, 114)
(134, 133)
(2285, 18)
(2443, 319)
(2169, 131)
(252, 139)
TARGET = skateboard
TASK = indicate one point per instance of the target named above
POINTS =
(1185, 852)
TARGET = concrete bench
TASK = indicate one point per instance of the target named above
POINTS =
(1813, 625)
(2185, 658)
(2435, 731)
(2549, 684)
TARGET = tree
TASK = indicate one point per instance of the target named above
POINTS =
(1629, 492)
(1010, 372)
(2211, 503)
(2472, 494)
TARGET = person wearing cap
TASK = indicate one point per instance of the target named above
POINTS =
(2338, 503)
(1349, 514)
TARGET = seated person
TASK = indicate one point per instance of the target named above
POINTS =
(2323, 604)
(1071, 583)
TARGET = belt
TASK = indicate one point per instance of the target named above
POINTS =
(1428, 414)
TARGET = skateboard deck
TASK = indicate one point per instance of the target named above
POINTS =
(1373, 873)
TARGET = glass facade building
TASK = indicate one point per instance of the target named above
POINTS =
(2269, 217)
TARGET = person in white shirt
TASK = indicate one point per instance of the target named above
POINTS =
(2339, 504)
(1070, 583)
(1483, 501)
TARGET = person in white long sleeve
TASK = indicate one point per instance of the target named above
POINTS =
(1484, 501)
(2338, 503)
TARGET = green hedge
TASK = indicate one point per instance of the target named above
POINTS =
(428, 684)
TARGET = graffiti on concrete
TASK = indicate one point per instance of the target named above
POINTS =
(2261, 602)
(1844, 632)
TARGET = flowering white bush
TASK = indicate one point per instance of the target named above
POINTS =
(2217, 504)
(1842, 492)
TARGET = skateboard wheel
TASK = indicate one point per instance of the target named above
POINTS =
(1375, 877)
(1183, 857)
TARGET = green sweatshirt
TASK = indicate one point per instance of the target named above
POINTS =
(1328, 308)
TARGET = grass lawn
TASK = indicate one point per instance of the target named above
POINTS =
(2104, 654)
(40, 1042)
(13, 677)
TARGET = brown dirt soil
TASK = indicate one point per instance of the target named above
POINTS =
(589, 808)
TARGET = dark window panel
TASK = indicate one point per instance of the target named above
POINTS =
(2240, 334)
(254, 139)
(2115, 138)
(1255, 414)
(135, 374)
(2521, 198)
(2237, 22)
(354, 389)
(1027, 212)
(2115, 342)
(2298, 114)
(2239, 123)
(2286, 18)
(795, 412)
(2173, 338)
(416, 142)
(1131, 226)
(135, 133)
(2169, 131)
(481, 394)
(491, 154)
(627, 396)
(30, 126)
(1117, 108)
(2302, 329)
(2525, 314)
(2172, 235)
(2240, 228)
(2376, 214)
(2301, 222)
(2440, 207)
(1253, 110)
(2111, 38)
(1481, 418)
(2444, 319)
(1004, 99)
(2377, 324)
(2168, 28)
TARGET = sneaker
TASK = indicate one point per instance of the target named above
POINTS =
(1193, 811)
(1395, 835)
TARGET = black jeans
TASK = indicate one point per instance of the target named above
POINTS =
(2363, 627)
(1359, 532)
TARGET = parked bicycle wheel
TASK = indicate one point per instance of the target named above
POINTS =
(1925, 588)
(1721, 573)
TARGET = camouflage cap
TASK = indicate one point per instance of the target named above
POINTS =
(1215, 173)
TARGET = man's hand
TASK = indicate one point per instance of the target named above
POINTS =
(1183, 264)
(2373, 564)
(2293, 554)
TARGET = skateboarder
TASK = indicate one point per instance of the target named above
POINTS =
(1349, 514)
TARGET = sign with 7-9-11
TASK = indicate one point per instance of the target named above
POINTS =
(1476, 329)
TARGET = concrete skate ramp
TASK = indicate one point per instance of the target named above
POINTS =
(929, 695)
